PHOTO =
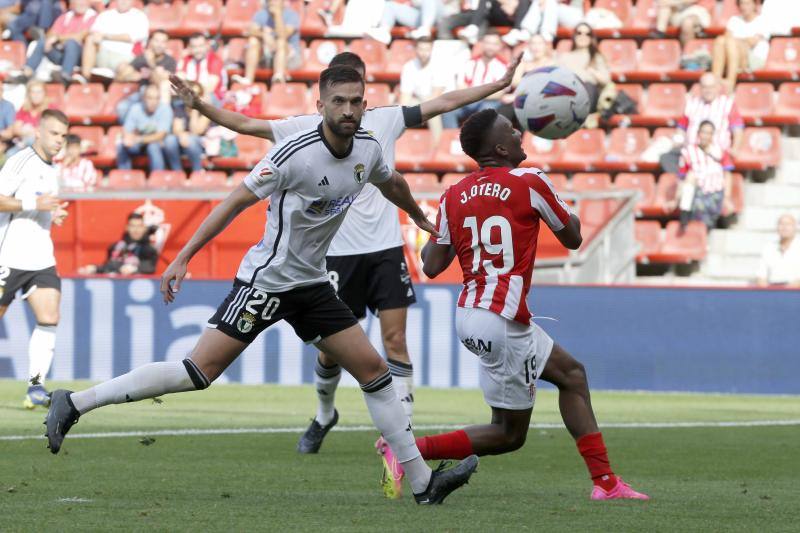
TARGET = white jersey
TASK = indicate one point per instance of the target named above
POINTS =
(25, 242)
(371, 209)
(310, 189)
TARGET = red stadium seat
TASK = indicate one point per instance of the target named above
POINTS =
(590, 181)
(620, 54)
(318, 56)
(83, 103)
(660, 56)
(729, 9)
(166, 179)
(761, 148)
(737, 195)
(755, 101)
(451, 179)
(92, 139)
(645, 16)
(541, 152)
(166, 16)
(787, 108)
(413, 150)
(691, 246)
(449, 156)
(626, 145)
(12, 56)
(116, 92)
(377, 95)
(175, 49)
(665, 100)
(648, 235)
(400, 52)
(784, 54)
(645, 184)
(623, 9)
(208, 180)
(583, 149)
(311, 23)
(234, 51)
(239, 16)
(374, 55)
(286, 99)
(666, 190)
(202, 16)
(424, 184)
(251, 151)
(636, 93)
(238, 177)
(126, 179)
(696, 45)
(559, 181)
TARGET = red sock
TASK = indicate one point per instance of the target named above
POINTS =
(453, 445)
(593, 450)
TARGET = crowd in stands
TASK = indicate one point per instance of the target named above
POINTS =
(695, 57)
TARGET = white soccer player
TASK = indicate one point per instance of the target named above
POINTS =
(490, 220)
(367, 268)
(28, 206)
(311, 178)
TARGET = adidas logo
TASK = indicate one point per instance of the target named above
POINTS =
(324, 182)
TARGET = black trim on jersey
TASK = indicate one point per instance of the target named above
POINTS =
(296, 149)
(412, 115)
(277, 241)
(46, 162)
(330, 148)
(291, 143)
(367, 138)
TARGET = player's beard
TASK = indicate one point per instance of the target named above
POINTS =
(339, 130)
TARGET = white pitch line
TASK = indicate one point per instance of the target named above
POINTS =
(421, 427)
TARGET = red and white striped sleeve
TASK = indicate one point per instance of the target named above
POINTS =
(544, 199)
(441, 223)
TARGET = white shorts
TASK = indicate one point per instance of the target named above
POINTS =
(512, 356)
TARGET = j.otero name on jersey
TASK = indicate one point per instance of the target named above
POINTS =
(486, 189)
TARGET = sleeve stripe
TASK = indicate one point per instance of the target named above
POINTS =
(286, 155)
(280, 150)
(547, 213)
(443, 229)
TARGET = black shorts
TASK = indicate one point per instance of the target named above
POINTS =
(12, 280)
(379, 280)
(315, 312)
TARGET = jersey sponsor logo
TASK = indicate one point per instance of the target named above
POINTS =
(245, 322)
(358, 173)
(331, 207)
(477, 346)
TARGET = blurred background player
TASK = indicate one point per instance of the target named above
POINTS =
(490, 221)
(28, 206)
(368, 269)
(311, 179)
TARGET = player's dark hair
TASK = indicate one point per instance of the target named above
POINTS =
(135, 216)
(475, 130)
(335, 75)
(71, 138)
(348, 59)
(55, 114)
(707, 123)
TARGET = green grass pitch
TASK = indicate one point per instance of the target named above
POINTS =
(700, 478)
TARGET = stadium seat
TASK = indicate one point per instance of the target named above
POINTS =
(760, 149)
(12, 56)
(374, 55)
(400, 52)
(233, 53)
(451, 178)
(737, 195)
(660, 56)
(645, 16)
(413, 150)
(202, 16)
(669, 133)
(648, 235)
(625, 147)
(666, 189)
(208, 180)
(784, 56)
(92, 138)
(175, 48)
(377, 95)
(311, 24)
(449, 156)
(559, 181)
(755, 101)
(116, 92)
(729, 9)
(55, 94)
(590, 181)
(696, 45)
(541, 152)
(317, 57)
(787, 109)
(126, 179)
(166, 16)
(83, 103)
(286, 99)
(238, 16)
(691, 246)
(636, 92)
(665, 101)
(251, 151)
(166, 179)
(620, 54)
(238, 177)
(623, 9)
(645, 183)
(424, 184)
(582, 150)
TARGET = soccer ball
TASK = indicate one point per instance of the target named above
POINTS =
(551, 102)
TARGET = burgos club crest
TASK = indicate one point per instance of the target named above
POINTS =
(245, 323)
(358, 173)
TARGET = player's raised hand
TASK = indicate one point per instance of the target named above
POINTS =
(182, 89)
(426, 225)
(512, 67)
(171, 280)
(47, 202)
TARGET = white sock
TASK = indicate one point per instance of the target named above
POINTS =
(147, 381)
(388, 416)
(326, 379)
(403, 380)
(40, 352)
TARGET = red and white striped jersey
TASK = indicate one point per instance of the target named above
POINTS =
(477, 72)
(721, 111)
(491, 218)
(707, 167)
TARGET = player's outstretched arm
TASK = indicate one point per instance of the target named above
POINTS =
(396, 190)
(219, 218)
(436, 258)
(44, 202)
(570, 235)
(229, 119)
(455, 99)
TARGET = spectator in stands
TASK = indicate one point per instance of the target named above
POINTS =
(720, 109)
(205, 67)
(188, 129)
(274, 37)
(688, 15)
(587, 62)
(780, 265)
(114, 34)
(8, 116)
(63, 44)
(420, 15)
(153, 66)
(9, 9)
(145, 129)
(132, 254)
(705, 169)
(35, 18)
(27, 119)
(538, 54)
(780, 16)
(327, 13)
(745, 45)
(487, 67)
(541, 19)
(75, 172)
(420, 82)
(488, 13)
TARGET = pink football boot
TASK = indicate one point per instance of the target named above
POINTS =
(392, 478)
(621, 491)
